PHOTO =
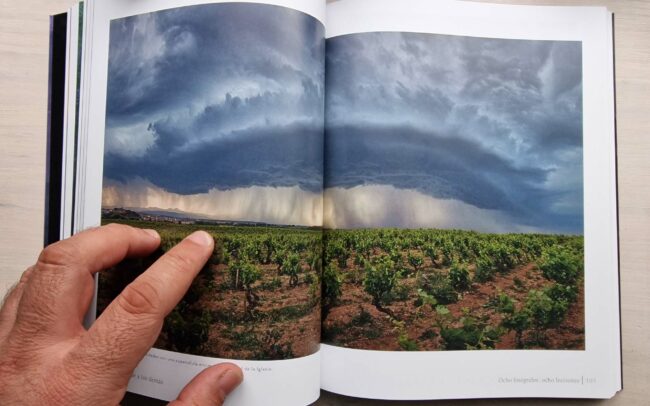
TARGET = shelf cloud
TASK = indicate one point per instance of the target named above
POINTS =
(217, 101)
(489, 124)
(224, 104)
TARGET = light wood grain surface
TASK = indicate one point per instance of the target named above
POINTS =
(24, 43)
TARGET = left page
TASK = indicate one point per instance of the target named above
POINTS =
(210, 116)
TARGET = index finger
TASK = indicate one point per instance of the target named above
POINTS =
(129, 326)
(99, 248)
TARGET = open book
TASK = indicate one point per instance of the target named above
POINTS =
(410, 200)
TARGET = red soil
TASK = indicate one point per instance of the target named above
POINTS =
(379, 332)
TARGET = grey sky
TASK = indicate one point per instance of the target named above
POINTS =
(216, 96)
(493, 123)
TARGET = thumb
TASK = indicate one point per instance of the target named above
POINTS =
(211, 386)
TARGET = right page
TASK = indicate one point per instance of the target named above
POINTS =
(470, 202)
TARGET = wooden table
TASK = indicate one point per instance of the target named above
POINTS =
(23, 103)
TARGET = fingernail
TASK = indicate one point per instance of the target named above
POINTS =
(201, 238)
(230, 379)
(152, 233)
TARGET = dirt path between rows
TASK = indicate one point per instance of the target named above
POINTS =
(356, 323)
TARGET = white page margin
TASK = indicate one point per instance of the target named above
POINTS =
(162, 374)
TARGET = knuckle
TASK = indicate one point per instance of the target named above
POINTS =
(24, 278)
(140, 298)
(34, 321)
(58, 254)
(177, 262)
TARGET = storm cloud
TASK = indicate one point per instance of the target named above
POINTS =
(493, 124)
(216, 97)
(217, 101)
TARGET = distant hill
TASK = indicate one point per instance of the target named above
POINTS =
(168, 213)
(121, 214)
(161, 215)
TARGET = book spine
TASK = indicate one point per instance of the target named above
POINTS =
(55, 119)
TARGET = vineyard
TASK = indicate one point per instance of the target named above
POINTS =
(257, 298)
(265, 289)
(390, 289)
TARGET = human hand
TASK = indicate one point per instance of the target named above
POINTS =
(48, 357)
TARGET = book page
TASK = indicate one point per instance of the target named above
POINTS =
(210, 116)
(73, 48)
(470, 205)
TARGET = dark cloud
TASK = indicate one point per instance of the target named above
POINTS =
(232, 95)
(172, 56)
(270, 156)
(493, 123)
(439, 166)
(216, 96)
